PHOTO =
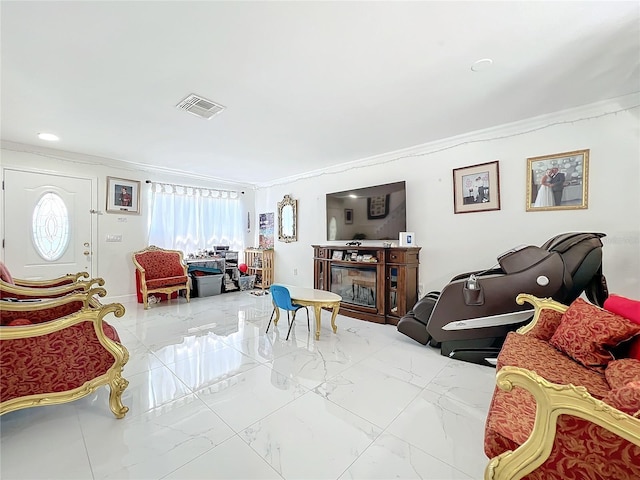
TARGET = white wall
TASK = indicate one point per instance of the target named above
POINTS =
(114, 262)
(453, 244)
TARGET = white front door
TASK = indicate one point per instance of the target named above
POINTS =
(49, 227)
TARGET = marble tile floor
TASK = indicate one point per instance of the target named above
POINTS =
(211, 396)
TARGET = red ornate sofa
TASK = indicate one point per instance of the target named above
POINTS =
(11, 287)
(160, 271)
(564, 408)
(58, 350)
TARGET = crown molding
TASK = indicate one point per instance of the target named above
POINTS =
(529, 125)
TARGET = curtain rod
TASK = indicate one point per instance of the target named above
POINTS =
(191, 186)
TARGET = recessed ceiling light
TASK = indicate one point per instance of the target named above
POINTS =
(482, 64)
(49, 137)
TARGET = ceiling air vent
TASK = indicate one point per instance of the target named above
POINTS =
(201, 107)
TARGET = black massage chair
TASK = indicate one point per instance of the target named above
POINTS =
(471, 317)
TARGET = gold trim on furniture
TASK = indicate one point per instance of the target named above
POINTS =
(539, 304)
(49, 282)
(166, 290)
(49, 292)
(113, 377)
(553, 400)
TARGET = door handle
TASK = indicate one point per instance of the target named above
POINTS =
(86, 252)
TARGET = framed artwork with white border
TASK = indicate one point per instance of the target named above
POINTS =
(476, 188)
(123, 196)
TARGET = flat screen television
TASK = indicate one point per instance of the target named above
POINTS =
(371, 213)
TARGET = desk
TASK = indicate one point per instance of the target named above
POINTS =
(310, 297)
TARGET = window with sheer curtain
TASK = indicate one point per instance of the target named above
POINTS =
(191, 219)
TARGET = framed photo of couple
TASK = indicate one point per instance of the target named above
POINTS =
(558, 182)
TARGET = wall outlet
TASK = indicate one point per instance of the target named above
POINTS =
(295, 271)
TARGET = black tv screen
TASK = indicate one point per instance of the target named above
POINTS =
(371, 213)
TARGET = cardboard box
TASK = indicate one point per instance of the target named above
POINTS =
(206, 285)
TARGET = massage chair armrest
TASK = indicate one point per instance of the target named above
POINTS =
(479, 274)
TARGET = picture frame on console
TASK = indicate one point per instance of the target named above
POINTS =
(558, 182)
(476, 188)
(123, 196)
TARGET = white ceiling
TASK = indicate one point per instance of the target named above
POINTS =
(307, 85)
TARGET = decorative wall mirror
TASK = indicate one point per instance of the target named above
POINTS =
(287, 220)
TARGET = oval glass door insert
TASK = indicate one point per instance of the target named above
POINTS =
(50, 226)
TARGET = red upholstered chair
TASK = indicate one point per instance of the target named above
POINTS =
(57, 350)
(160, 271)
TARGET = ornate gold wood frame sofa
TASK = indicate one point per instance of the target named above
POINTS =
(58, 350)
(544, 430)
(160, 271)
(51, 288)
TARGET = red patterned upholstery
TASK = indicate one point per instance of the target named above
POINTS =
(537, 355)
(620, 372)
(586, 332)
(39, 316)
(54, 355)
(546, 325)
(56, 362)
(160, 271)
(626, 399)
(161, 264)
(166, 282)
(582, 450)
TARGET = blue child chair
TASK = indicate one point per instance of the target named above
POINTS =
(282, 299)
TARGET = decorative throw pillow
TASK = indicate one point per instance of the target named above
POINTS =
(625, 399)
(546, 325)
(586, 331)
(620, 372)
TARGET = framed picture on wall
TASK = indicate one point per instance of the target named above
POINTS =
(558, 182)
(123, 196)
(476, 188)
(378, 207)
(348, 216)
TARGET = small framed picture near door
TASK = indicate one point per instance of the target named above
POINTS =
(123, 196)
(476, 188)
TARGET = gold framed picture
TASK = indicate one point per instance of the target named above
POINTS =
(558, 182)
(476, 188)
(123, 196)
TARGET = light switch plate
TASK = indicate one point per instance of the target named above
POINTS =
(114, 238)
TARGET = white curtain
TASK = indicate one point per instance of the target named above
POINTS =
(190, 219)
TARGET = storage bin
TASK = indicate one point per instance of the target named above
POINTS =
(247, 282)
(206, 285)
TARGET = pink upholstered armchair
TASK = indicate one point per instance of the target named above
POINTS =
(160, 271)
